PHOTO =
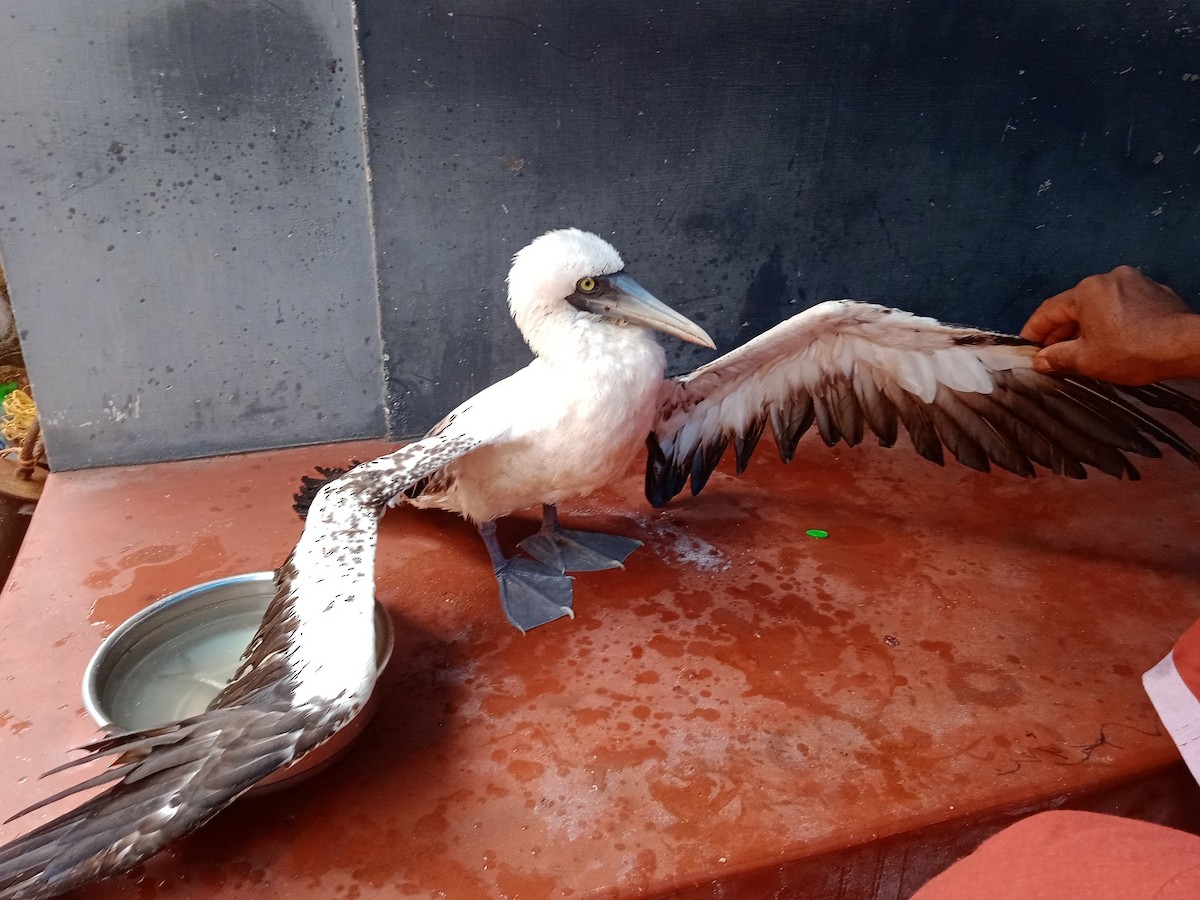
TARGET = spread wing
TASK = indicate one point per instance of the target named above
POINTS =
(850, 368)
(307, 671)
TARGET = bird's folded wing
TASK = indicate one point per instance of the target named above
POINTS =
(849, 368)
(307, 671)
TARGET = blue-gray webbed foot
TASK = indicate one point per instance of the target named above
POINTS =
(531, 593)
(576, 551)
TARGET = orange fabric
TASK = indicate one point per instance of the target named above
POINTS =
(1187, 658)
(1064, 855)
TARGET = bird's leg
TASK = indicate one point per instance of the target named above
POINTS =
(531, 594)
(576, 551)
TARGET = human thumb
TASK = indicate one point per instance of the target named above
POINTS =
(1057, 357)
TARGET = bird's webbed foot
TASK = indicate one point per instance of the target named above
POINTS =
(576, 551)
(531, 594)
(579, 551)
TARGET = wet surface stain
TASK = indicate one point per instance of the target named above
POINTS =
(144, 573)
(986, 685)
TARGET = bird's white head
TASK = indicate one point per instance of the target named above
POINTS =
(568, 277)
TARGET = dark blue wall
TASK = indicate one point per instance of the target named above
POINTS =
(958, 159)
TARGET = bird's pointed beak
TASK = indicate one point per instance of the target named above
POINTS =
(628, 301)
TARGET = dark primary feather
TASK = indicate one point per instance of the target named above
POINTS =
(834, 370)
(172, 781)
(1083, 424)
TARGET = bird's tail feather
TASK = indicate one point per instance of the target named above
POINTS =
(310, 485)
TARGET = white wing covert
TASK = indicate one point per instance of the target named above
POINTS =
(851, 367)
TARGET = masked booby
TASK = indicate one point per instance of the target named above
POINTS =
(307, 671)
(595, 394)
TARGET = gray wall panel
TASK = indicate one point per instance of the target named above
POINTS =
(185, 225)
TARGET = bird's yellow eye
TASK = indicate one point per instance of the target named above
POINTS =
(587, 284)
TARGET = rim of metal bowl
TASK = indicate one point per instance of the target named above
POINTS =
(100, 662)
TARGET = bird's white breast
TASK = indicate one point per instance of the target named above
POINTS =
(571, 424)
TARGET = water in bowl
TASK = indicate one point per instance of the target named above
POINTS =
(182, 672)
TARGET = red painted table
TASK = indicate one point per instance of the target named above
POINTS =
(743, 708)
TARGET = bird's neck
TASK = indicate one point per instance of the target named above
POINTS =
(586, 344)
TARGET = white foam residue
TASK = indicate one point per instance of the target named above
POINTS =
(689, 549)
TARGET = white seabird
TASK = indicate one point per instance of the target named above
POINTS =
(308, 670)
(574, 418)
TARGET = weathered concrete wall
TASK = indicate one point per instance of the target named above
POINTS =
(750, 159)
(185, 225)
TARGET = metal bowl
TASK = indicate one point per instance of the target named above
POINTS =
(170, 660)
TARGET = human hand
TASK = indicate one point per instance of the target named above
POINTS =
(1120, 327)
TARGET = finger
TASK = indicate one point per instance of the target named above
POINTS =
(1057, 357)
(1056, 316)
(1067, 331)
